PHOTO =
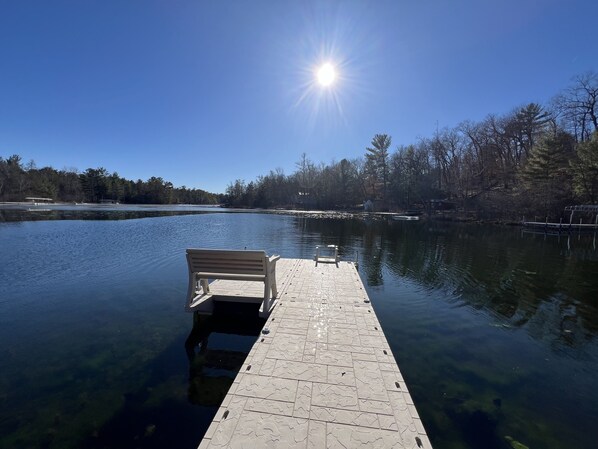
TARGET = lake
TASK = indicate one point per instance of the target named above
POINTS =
(494, 330)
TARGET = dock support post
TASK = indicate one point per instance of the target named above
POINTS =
(266, 302)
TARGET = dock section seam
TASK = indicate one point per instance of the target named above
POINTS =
(321, 375)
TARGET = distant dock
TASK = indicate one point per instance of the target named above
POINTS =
(321, 374)
(559, 227)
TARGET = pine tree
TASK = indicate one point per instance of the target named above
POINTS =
(585, 170)
(547, 173)
(378, 158)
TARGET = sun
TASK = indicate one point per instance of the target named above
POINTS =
(326, 75)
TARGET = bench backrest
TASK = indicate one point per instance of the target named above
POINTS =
(227, 261)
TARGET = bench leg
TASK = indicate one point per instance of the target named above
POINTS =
(266, 297)
(271, 279)
(205, 286)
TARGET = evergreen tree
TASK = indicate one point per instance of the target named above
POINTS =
(378, 158)
(585, 170)
(547, 174)
(530, 122)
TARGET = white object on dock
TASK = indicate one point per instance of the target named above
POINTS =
(252, 266)
(326, 254)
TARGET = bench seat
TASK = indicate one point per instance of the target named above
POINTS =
(231, 265)
(231, 277)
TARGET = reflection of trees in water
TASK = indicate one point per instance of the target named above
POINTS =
(472, 383)
(351, 236)
(513, 277)
(18, 215)
(546, 285)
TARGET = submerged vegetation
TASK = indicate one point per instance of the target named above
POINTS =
(453, 300)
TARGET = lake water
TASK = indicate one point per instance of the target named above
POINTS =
(495, 331)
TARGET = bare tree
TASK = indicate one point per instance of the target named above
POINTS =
(578, 106)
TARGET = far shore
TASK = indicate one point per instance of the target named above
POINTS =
(449, 216)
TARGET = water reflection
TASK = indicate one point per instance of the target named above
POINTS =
(212, 368)
(14, 215)
(578, 243)
(520, 279)
(493, 329)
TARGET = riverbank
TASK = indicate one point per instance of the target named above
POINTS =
(438, 216)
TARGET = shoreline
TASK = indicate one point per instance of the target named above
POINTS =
(319, 214)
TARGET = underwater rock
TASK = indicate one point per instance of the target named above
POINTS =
(149, 430)
(514, 443)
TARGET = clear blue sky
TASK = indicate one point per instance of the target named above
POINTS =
(204, 92)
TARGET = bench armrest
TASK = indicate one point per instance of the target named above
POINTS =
(273, 259)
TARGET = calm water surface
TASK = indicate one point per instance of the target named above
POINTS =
(494, 330)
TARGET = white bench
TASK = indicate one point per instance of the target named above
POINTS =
(233, 265)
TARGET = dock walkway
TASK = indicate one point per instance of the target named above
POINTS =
(321, 374)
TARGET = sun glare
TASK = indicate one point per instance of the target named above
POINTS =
(326, 75)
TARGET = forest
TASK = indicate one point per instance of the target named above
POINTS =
(534, 160)
(19, 181)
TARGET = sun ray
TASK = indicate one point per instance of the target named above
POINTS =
(328, 75)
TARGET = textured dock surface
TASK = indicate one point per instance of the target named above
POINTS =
(323, 377)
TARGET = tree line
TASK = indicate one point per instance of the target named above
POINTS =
(19, 181)
(535, 159)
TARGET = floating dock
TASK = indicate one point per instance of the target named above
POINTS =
(560, 227)
(321, 374)
(591, 209)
